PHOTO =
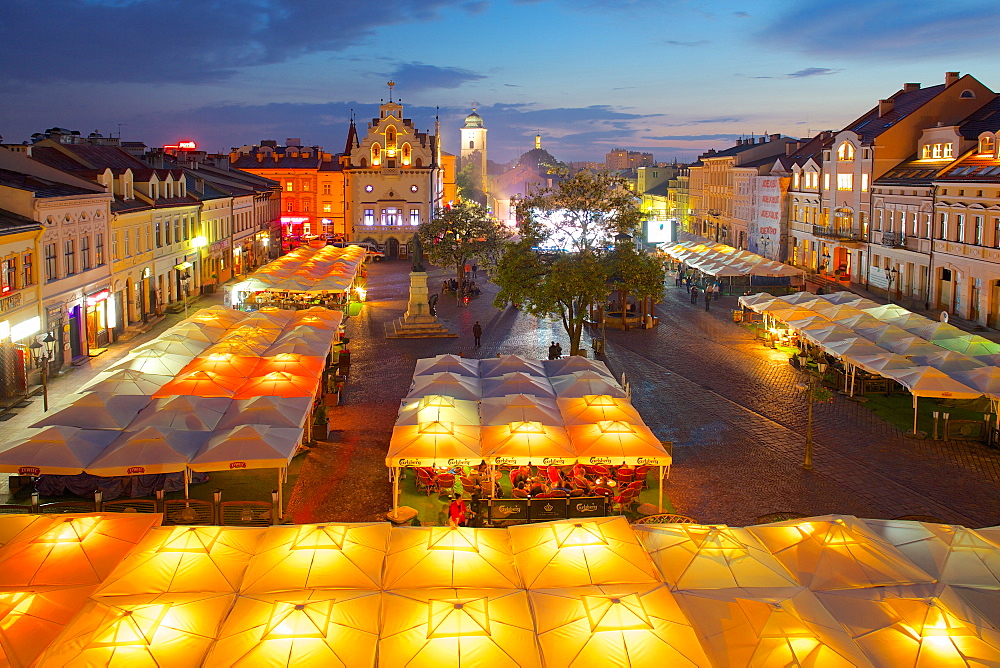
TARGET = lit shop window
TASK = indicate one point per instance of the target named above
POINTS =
(369, 216)
(414, 216)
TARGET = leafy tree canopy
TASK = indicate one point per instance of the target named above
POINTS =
(460, 232)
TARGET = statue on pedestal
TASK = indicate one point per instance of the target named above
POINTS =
(418, 254)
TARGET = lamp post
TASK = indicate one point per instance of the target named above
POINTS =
(891, 276)
(42, 353)
(810, 390)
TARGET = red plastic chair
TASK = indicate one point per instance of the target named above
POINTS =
(579, 470)
(425, 481)
(544, 495)
(581, 482)
(558, 494)
(602, 471)
(626, 499)
(601, 491)
(519, 494)
(468, 487)
(640, 473)
(624, 476)
(553, 475)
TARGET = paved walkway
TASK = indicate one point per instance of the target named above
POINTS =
(727, 403)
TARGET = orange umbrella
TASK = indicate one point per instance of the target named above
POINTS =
(201, 384)
(225, 364)
(297, 365)
(278, 384)
(236, 347)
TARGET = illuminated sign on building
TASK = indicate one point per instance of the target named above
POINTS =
(285, 220)
(181, 146)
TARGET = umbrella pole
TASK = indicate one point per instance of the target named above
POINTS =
(661, 489)
(915, 399)
(281, 496)
(395, 491)
(186, 472)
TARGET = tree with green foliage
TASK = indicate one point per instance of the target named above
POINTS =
(575, 237)
(459, 233)
(467, 182)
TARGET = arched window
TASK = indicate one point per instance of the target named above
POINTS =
(845, 151)
(390, 137)
(472, 144)
(376, 155)
(406, 154)
(364, 162)
(968, 94)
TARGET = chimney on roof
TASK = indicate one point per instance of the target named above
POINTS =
(774, 137)
(910, 87)
(761, 140)
(950, 78)
(792, 147)
(260, 157)
(885, 106)
(234, 156)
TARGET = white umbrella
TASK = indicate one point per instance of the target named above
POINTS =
(583, 383)
(188, 413)
(148, 451)
(55, 451)
(519, 408)
(518, 383)
(155, 362)
(95, 410)
(126, 381)
(450, 363)
(500, 366)
(448, 384)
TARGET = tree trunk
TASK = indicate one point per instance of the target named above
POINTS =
(460, 279)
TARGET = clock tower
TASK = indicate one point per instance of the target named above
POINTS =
(474, 150)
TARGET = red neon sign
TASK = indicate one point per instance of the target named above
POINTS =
(98, 297)
(182, 146)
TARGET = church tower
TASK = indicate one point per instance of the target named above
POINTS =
(474, 149)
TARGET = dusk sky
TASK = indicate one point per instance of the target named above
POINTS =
(671, 77)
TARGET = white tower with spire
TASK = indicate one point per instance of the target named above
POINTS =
(474, 148)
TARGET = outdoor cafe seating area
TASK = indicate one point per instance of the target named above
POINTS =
(327, 276)
(221, 390)
(523, 430)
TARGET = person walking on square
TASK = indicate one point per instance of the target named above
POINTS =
(694, 294)
(708, 296)
(552, 350)
(477, 332)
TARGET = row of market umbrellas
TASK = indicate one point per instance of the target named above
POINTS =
(930, 358)
(520, 411)
(721, 260)
(833, 590)
(306, 269)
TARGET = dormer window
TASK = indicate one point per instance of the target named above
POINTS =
(845, 151)
(987, 145)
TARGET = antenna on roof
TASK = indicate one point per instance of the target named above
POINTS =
(120, 130)
(390, 84)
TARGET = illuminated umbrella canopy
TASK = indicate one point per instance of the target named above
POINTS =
(570, 553)
(148, 451)
(831, 333)
(617, 625)
(694, 556)
(224, 364)
(219, 315)
(972, 344)
(201, 384)
(457, 627)
(594, 408)
(314, 313)
(325, 627)
(519, 408)
(836, 553)
(925, 381)
(296, 346)
(917, 625)
(573, 363)
(939, 331)
(183, 413)
(447, 383)
(278, 384)
(162, 630)
(249, 446)
(191, 559)
(911, 345)
(176, 344)
(986, 379)
(583, 383)
(769, 627)
(306, 333)
(847, 297)
(615, 442)
(30, 620)
(858, 321)
(757, 301)
(884, 311)
(197, 331)
(421, 557)
(239, 348)
(911, 322)
(500, 366)
(948, 361)
(799, 297)
(517, 383)
(272, 411)
(852, 347)
(71, 550)
(792, 312)
(55, 451)
(95, 410)
(438, 408)
(268, 320)
(880, 362)
(126, 381)
(434, 444)
(447, 363)
(521, 443)
(318, 556)
(155, 362)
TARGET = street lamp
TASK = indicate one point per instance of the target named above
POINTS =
(41, 354)
(811, 392)
(891, 276)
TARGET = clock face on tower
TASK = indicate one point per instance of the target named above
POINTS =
(369, 188)
(413, 189)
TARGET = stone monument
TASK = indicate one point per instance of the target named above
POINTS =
(418, 322)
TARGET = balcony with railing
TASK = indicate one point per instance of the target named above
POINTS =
(839, 232)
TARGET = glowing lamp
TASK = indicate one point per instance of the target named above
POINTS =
(526, 428)
(199, 242)
(436, 427)
(437, 400)
(615, 427)
(616, 613)
(599, 400)
(320, 537)
(298, 620)
(451, 618)
(453, 539)
(578, 534)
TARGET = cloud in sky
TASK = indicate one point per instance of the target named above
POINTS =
(674, 42)
(419, 76)
(811, 72)
(189, 41)
(890, 28)
(715, 137)
(709, 121)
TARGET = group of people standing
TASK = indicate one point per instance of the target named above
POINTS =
(710, 291)
(555, 351)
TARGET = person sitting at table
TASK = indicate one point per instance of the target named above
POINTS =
(457, 511)
(537, 487)
(562, 484)
(522, 473)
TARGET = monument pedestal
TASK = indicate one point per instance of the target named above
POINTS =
(418, 322)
